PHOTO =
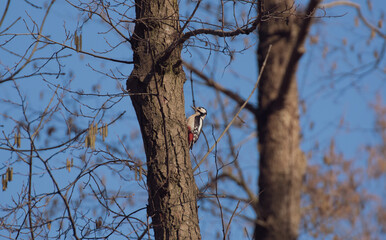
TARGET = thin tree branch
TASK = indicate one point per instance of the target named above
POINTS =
(30, 192)
(35, 46)
(191, 16)
(5, 12)
(220, 33)
(359, 12)
(87, 53)
(211, 83)
(237, 114)
(64, 143)
(230, 220)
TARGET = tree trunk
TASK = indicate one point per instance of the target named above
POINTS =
(157, 80)
(282, 163)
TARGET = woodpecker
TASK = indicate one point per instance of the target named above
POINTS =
(194, 123)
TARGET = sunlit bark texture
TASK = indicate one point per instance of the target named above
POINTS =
(282, 163)
(158, 79)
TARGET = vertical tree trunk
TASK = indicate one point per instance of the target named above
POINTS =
(282, 163)
(159, 105)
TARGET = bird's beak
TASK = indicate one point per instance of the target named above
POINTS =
(194, 108)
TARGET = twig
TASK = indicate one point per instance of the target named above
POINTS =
(28, 60)
(216, 190)
(5, 12)
(191, 83)
(61, 144)
(85, 52)
(237, 114)
(230, 220)
(43, 115)
(211, 83)
(191, 16)
(359, 12)
(30, 193)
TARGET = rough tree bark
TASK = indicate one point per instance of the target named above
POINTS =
(282, 163)
(158, 80)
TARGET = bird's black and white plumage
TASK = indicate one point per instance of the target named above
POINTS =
(194, 123)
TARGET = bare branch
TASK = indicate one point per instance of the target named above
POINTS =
(35, 46)
(220, 33)
(87, 53)
(191, 16)
(237, 114)
(359, 12)
(211, 83)
(5, 12)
